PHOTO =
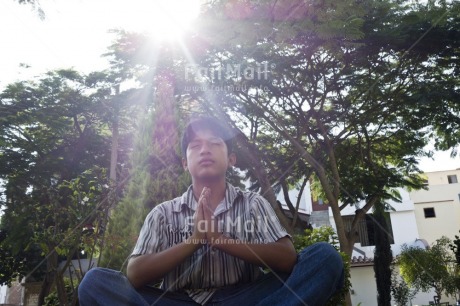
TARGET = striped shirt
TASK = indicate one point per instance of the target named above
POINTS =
(244, 216)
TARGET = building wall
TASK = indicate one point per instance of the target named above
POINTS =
(409, 226)
(444, 199)
(31, 293)
(3, 294)
(403, 222)
(405, 230)
(14, 294)
(441, 177)
(364, 289)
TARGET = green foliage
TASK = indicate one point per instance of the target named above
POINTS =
(156, 176)
(400, 290)
(53, 147)
(326, 234)
(52, 298)
(426, 269)
(71, 206)
(343, 91)
(311, 236)
(455, 248)
(12, 263)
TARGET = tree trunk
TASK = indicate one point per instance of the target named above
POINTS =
(50, 276)
(61, 290)
(382, 257)
(114, 149)
(113, 169)
(248, 151)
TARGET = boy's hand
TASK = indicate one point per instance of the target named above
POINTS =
(200, 221)
(212, 230)
(205, 226)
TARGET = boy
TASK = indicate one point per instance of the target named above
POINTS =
(207, 246)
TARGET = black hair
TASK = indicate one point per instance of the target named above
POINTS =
(206, 123)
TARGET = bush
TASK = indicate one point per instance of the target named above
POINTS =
(52, 298)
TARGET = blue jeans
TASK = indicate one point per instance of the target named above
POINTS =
(317, 275)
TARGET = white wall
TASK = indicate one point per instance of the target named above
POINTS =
(365, 289)
(406, 204)
(363, 286)
(444, 199)
(404, 229)
(3, 294)
(440, 177)
(403, 221)
(408, 225)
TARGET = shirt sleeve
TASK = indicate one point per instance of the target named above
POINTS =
(151, 236)
(267, 227)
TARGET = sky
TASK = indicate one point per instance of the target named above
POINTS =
(69, 36)
(75, 34)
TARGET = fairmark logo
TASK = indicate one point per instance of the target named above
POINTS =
(254, 71)
(229, 225)
(227, 88)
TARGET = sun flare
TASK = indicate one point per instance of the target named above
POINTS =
(163, 19)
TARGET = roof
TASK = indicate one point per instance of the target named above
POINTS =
(359, 261)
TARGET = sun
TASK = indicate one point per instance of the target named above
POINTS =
(162, 19)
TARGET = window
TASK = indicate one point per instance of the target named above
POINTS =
(366, 229)
(452, 179)
(429, 212)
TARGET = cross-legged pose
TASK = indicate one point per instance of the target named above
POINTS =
(215, 244)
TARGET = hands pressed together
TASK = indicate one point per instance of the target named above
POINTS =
(205, 226)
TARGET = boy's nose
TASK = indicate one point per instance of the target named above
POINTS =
(205, 147)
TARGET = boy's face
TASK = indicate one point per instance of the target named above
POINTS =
(207, 156)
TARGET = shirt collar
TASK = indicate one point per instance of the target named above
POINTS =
(231, 194)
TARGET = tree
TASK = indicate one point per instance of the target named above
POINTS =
(52, 133)
(66, 235)
(382, 255)
(156, 175)
(429, 269)
(400, 290)
(455, 248)
(328, 95)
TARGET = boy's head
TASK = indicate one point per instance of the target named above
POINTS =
(206, 123)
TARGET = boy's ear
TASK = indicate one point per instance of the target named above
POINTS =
(231, 159)
(184, 164)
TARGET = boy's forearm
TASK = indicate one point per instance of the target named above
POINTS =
(279, 256)
(145, 269)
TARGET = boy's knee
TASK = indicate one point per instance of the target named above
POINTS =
(319, 248)
(93, 273)
(93, 277)
(88, 279)
(323, 253)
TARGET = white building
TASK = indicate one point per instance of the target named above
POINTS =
(437, 209)
(3, 294)
(424, 215)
